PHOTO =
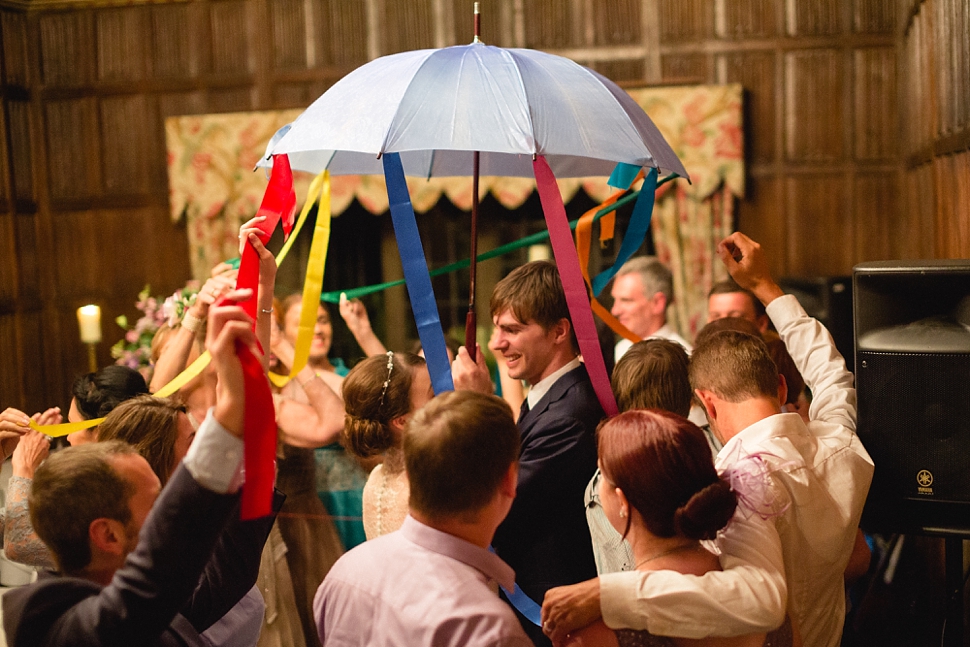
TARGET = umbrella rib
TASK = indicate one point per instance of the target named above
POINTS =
(525, 100)
(397, 108)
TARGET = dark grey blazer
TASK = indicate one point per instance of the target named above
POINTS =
(188, 570)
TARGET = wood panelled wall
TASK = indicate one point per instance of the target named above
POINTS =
(934, 76)
(85, 88)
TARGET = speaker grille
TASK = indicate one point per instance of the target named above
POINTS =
(914, 420)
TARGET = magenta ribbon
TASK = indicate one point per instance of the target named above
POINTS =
(567, 260)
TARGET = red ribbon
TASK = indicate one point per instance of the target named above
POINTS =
(259, 435)
(259, 431)
(279, 202)
(572, 282)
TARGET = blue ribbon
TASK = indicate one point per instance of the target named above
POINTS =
(637, 229)
(524, 605)
(416, 276)
(522, 602)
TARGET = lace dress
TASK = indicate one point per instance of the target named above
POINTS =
(386, 496)
(20, 542)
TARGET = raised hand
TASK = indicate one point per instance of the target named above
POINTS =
(469, 375)
(31, 451)
(50, 417)
(748, 266)
(14, 423)
(229, 326)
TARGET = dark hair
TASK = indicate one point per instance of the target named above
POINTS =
(652, 374)
(735, 366)
(534, 293)
(737, 324)
(451, 344)
(370, 408)
(150, 425)
(457, 449)
(71, 489)
(96, 394)
(786, 366)
(663, 464)
(730, 286)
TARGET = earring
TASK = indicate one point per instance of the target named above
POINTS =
(622, 513)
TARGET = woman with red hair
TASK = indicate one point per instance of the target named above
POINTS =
(660, 490)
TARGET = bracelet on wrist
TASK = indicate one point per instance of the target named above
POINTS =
(307, 381)
(191, 323)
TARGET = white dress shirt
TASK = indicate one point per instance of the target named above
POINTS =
(822, 469)
(542, 387)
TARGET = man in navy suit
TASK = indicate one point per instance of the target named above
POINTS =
(545, 537)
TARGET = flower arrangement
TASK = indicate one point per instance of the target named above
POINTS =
(134, 350)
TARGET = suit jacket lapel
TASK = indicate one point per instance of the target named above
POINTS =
(557, 391)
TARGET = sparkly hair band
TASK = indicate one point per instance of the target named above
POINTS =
(387, 382)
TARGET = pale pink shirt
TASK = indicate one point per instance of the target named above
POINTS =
(417, 586)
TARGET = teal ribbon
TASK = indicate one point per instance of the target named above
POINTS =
(635, 233)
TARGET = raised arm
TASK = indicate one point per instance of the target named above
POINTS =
(310, 425)
(317, 422)
(249, 233)
(355, 316)
(20, 542)
(175, 355)
(808, 342)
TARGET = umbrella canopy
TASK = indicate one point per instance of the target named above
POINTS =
(435, 106)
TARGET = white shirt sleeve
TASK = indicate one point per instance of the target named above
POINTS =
(748, 596)
(215, 456)
(819, 362)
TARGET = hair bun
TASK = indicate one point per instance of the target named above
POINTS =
(365, 437)
(706, 512)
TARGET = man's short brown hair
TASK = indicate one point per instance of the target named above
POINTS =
(457, 450)
(730, 286)
(735, 366)
(652, 374)
(71, 489)
(534, 293)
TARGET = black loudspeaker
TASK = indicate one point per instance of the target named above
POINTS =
(828, 299)
(912, 351)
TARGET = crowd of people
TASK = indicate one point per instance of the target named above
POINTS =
(720, 507)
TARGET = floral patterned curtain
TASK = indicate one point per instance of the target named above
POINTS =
(212, 184)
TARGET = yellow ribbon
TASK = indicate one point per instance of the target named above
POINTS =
(320, 186)
(313, 285)
(56, 431)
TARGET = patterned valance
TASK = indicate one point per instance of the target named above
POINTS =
(212, 184)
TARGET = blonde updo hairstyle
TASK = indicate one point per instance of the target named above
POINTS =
(370, 407)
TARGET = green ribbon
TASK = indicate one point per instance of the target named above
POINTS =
(538, 237)
(354, 293)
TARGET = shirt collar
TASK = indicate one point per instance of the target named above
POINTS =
(542, 386)
(490, 564)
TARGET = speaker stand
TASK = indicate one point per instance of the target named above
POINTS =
(953, 633)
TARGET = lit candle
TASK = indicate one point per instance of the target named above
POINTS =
(89, 320)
